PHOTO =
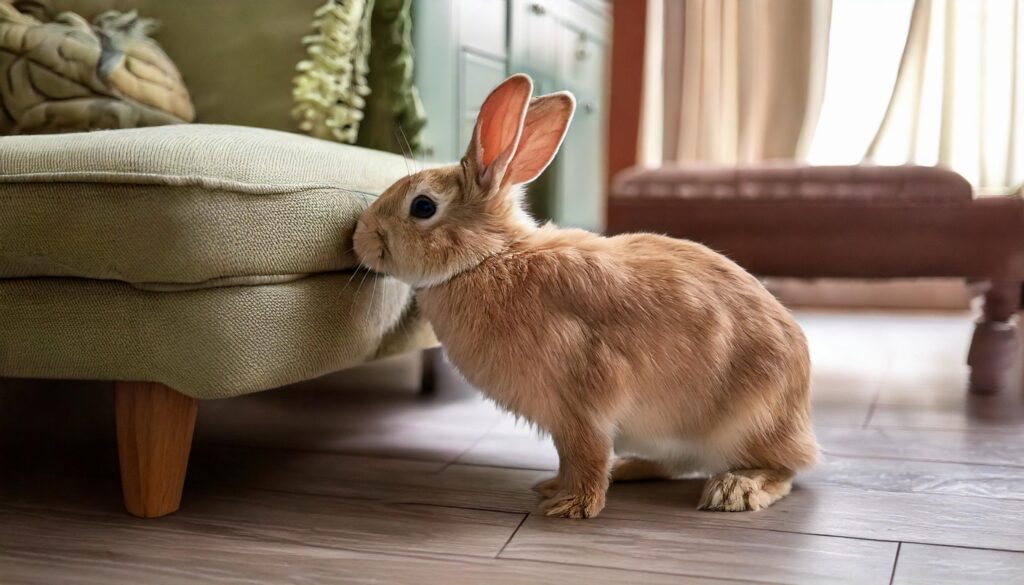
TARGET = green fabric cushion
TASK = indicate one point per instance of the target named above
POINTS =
(214, 259)
(211, 343)
(184, 206)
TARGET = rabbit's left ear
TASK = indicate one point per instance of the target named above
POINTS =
(499, 126)
(547, 122)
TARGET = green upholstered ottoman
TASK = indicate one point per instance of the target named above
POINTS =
(189, 262)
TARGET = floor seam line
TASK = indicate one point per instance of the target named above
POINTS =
(513, 535)
(895, 562)
(640, 571)
(471, 447)
(878, 393)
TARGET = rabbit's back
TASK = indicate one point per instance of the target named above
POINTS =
(734, 362)
(665, 333)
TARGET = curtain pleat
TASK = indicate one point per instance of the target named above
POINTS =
(957, 101)
(749, 81)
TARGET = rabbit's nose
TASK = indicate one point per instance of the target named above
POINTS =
(367, 240)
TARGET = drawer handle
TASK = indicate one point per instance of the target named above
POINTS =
(538, 9)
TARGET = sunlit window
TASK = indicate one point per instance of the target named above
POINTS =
(957, 100)
(865, 46)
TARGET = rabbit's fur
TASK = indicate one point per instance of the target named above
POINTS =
(657, 349)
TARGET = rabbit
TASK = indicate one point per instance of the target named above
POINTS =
(642, 356)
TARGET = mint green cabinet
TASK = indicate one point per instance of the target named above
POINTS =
(461, 54)
(465, 47)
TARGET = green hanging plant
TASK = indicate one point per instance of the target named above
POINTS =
(331, 87)
(394, 116)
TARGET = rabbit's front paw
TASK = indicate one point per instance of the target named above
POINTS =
(574, 505)
(548, 487)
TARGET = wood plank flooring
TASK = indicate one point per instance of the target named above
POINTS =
(354, 478)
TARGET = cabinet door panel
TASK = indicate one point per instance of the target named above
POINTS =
(466, 131)
(435, 74)
(579, 200)
(580, 169)
(535, 35)
(581, 60)
(478, 76)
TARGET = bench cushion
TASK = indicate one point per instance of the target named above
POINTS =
(788, 182)
(829, 222)
(186, 206)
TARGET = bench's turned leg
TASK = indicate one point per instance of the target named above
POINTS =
(154, 437)
(994, 347)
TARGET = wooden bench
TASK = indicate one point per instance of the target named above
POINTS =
(864, 222)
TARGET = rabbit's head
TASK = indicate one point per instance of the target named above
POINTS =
(434, 224)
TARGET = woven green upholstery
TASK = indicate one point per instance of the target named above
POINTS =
(214, 259)
(182, 204)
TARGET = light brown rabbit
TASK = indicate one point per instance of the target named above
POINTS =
(659, 349)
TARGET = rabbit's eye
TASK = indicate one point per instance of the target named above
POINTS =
(422, 207)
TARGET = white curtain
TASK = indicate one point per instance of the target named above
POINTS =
(959, 95)
(737, 81)
(741, 80)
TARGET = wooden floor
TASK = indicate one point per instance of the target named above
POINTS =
(356, 479)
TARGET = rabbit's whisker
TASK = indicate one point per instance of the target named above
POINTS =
(408, 170)
(366, 272)
(373, 294)
(355, 271)
(407, 148)
(362, 280)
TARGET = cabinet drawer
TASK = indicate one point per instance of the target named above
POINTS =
(483, 26)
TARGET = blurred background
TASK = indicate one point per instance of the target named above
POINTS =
(726, 83)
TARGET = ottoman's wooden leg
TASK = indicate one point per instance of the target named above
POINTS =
(432, 360)
(994, 347)
(154, 436)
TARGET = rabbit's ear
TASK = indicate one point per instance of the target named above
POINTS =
(547, 121)
(498, 128)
